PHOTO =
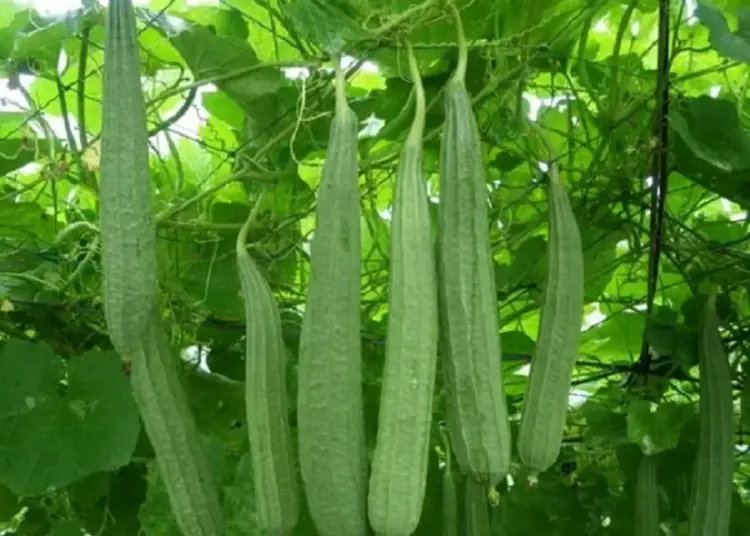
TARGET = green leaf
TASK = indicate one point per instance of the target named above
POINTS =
(118, 514)
(18, 144)
(8, 8)
(550, 507)
(9, 504)
(209, 279)
(711, 129)
(617, 339)
(153, 513)
(715, 160)
(51, 433)
(733, 46)
(660, 331)
(529, 264)
(41, 42)
(222, 107)
(239, 505)
(67, 528)
(228, 62)
(325, 23)
(600, 254)
(218, 405)
(740, 516)
(25, 221)
(517, 343)
(91, 489)
(271, 40)
(605, 426)
(721, 230)
(657, 429)
(225, 22)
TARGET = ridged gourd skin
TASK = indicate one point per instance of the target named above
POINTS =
(545, 403)
(400, 461)
(477, 512)
(646, 518)
(266, 400)
(174, 435)
(129, 266)
(711, 502)
(128, 232)
(450, 506)
(476, 413)
(330, 413)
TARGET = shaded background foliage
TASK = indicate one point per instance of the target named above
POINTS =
(644, 104)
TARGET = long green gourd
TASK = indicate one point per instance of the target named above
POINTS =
(546, 400)
(646, 518)
(476, 509)
(450, 507)
(330, 414)
(477, 414)
(266, 401)
(126, 214)
(711, 502)
(129, 267)
(171, 428)
(399, 466)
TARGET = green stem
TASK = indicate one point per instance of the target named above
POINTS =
(225, 77)
(72, 228)
(242, 235)
(74, 152)
(81, 85)
(93, 250)
(179, 114)
(463, 50)
(239, 175)
(393, 124)
(200, 225)
(583, 72)
(416, 132)
(614, 83)
(403, 16)
(341, 100)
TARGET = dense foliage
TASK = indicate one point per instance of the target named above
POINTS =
(642, 102)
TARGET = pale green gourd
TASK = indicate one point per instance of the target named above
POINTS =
(476, 509)
(646, 517)
(126, 218)
(129, 269)
(477, 414)
(545, 404)
(171, 428)
(266, 401)
(330, 414)
(450, 507)
(399, 465)
(711, 501)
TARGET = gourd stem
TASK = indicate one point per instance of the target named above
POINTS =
(463, 50)
(416, 131)
(242, 235)
(341, 101)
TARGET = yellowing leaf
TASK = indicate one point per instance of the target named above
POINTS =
(92, 156)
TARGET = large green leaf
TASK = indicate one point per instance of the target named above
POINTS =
(732, 45)
(227, 61)
(659, 429)
(53, 433)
